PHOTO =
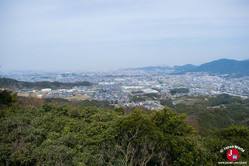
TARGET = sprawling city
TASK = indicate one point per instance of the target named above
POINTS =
(134, 87)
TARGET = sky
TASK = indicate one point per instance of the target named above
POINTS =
(96, 35)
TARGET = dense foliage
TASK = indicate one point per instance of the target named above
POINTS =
(86, 135)
(216, 112)
(7, 98)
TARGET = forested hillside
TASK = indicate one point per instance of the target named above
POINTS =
(64, 134)
(14, 84)
(230, 67)
(211, 113)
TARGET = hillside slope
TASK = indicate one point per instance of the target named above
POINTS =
(15, 84)
(224, 66)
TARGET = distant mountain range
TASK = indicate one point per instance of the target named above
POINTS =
(150, 68)
(222, 66)
(184, 67)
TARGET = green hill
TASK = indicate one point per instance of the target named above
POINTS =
(184, 67)
(15, 84)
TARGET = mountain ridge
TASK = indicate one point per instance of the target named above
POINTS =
(221, 66)
(224, 66)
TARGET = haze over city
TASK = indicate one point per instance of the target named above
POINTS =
(122, 82)
(79, 35)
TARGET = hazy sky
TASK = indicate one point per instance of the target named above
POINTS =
(80, 35)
